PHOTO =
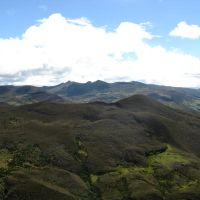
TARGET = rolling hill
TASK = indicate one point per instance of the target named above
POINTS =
(133, 149)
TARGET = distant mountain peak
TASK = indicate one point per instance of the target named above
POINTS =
(99, 90)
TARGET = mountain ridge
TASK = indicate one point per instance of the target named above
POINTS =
(183, 98)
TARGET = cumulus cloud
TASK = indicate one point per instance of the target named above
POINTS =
(185, 30)
(57, 49)
(45, 74)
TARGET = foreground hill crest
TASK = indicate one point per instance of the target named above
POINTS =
(136, 148)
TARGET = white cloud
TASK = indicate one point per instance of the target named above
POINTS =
(75, 49)
(185, 30)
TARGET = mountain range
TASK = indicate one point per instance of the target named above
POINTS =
(99, 141)
(183, 98)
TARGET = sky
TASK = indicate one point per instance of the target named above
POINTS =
(47, 42)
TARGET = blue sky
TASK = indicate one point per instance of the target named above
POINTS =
(159, 18)
(18, 15)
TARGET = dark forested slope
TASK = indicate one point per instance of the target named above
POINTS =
(134, 149)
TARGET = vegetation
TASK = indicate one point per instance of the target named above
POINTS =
(166, 176)
(135, 149)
